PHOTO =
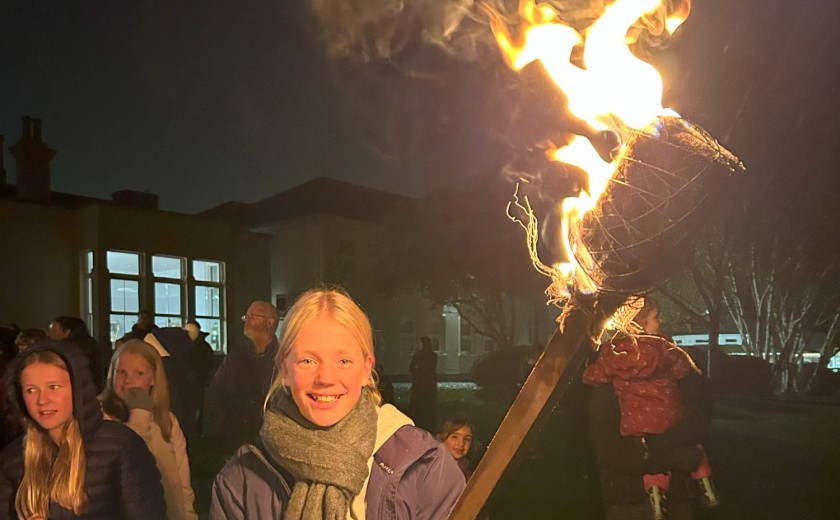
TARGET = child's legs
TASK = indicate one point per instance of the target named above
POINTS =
(660, 480)
(704, 469)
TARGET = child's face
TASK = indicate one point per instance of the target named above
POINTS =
(48, 396)
(459, 442)
(132, 371)
(326, 370)
(651, 322)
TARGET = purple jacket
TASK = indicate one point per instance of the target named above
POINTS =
(413, 476)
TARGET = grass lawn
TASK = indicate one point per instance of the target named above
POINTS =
(778, 459)
(773, 459)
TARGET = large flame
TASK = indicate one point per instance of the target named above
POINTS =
(613, 91)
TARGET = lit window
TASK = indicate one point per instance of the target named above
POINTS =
(466, 336)
(166, 267)
(125, 295)
(169, 289)
(209, 300)
(173, 288)
(120, 262)
(124, 284)
(87, 288)
(167, 304)
(205, 271)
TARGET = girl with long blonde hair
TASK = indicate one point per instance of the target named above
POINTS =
(137, 394)
(328, 448)
(69, 461)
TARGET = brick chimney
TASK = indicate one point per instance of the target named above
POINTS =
(33, 158)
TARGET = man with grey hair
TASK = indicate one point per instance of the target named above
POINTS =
(242, 382)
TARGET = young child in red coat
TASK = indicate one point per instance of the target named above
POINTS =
(644, 368)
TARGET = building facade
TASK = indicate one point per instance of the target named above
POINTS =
(327, 231)
(104, 260)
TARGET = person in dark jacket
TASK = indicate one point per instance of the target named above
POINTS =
(29, 337)
(71, 463)
(422, 403)
(238, 390)
(203, 361)
(176, 349)
(9, 424)
(327, 449)
(8, 334)
(75, 330)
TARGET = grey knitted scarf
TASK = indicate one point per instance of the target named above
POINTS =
(329, 464)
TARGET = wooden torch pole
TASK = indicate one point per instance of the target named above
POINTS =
(566, 351)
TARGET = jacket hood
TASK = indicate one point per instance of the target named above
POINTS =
(643, 357)
(86, 408)
(389, 420)
(172, 340)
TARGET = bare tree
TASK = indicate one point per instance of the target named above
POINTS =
(781, 289)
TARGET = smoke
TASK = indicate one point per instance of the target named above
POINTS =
(369, 30)
(424, 74)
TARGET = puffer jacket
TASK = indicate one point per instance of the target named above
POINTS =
(412, 476)
(249, 486)
(644, 371)
(122, 480)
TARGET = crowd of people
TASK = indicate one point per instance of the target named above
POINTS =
(301, 415)
(310, 429)
(83, 438)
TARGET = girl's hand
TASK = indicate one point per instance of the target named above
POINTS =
(138, 398)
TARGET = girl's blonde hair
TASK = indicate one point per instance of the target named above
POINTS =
(337, 304)
(115, 407)
(50, 472)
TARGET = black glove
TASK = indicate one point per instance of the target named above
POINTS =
(138, 398)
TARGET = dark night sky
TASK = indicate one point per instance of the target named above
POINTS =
(199, 103)
(204, 102)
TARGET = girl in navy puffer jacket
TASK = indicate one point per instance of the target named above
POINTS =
(71, 463)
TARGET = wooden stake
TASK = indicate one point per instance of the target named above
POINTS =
(581, 326)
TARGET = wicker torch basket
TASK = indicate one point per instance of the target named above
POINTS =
(649, 211)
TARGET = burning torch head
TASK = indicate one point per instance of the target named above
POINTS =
(648, 212)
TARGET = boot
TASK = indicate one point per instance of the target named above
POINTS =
(708, 497)
(657, 501)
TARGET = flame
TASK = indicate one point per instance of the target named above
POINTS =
(673, 23)
(613, 91)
